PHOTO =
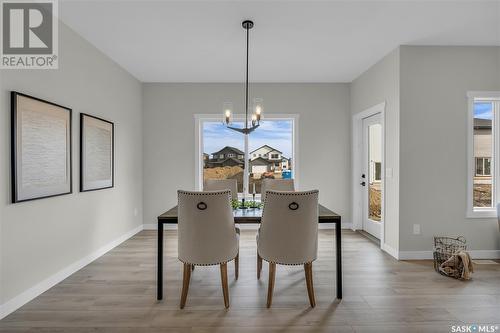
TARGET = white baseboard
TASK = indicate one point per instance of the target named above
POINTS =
(475, 254)
(253, 226)
(390, 250)
(26, 296)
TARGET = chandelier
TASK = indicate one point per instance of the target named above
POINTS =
(257, 102)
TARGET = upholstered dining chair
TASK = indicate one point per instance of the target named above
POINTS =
(222, 184)
(276, 185)
(207, 235)
(288, 235)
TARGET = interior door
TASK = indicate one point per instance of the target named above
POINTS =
(371, 177)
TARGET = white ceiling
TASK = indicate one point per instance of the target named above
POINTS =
(292, 41)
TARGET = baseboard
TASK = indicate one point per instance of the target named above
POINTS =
(26, 296)
(390, 250)
(422, 255)
(253, 226)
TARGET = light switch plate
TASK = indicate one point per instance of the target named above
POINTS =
(416, 229)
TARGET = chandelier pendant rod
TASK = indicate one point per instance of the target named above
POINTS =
(246, 83)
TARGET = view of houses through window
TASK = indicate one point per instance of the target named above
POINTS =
(270, 152)
(483, 153)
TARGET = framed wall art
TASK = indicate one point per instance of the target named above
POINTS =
(96, 153)
(40, 148)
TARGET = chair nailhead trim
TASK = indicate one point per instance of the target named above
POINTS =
(203, 193)
(217, 263)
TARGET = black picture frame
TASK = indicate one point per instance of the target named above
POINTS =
(82, 158)
(14, 147)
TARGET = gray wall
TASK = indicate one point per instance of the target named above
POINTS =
(41, 237)
(380, 84)
(434, 83)
(324, 136)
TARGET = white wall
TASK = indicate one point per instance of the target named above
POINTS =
(324, 130)
(42, 237)
(434, 83)
(380, 84)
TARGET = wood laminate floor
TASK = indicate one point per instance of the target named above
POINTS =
(116, 293)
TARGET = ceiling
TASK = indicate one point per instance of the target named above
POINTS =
(292, 41)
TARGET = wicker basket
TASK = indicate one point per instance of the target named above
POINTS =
(445, 248)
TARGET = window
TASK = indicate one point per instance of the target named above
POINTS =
(378, 171)
(275, 131)
(221, 156)
(275, 156)
(484, 112)
(483, 166)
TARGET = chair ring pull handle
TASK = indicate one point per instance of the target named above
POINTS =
(202, 206)
(293, 206)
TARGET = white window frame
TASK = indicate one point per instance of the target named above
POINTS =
(484, 166)
(483, 212)
(199, 119)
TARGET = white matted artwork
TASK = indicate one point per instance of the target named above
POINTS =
(96, 153)
(41, 148)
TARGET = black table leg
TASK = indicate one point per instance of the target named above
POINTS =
(338, 243)
(159, 265)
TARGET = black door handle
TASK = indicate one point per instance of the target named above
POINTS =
(362, 184)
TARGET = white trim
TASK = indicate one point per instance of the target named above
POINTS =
(483, 94)
(17, 301)
(427, 255)
(390, 250)
(357, 158)
(486, 212)
(198, 151)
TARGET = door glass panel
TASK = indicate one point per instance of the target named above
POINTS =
(374, 172)
(483, 152)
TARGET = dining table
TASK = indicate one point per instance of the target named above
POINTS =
(252, 216)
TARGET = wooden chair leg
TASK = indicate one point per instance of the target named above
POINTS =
(185, 284)
(309, 283)
(236, 266)
(259, 265)
(270, 287)
(225, 290)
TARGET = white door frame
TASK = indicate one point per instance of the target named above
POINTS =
(357, 167)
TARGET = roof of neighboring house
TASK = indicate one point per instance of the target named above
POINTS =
(273, 149)
(480, 123)
(225, 160)
(260, 159)
(236, 150)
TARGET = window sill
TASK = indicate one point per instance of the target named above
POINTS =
(482, 214)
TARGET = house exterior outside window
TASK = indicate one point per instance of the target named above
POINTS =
(483, 166)
(228, 162)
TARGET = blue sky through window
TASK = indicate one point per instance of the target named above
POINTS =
(483, 110)
(274, 133)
